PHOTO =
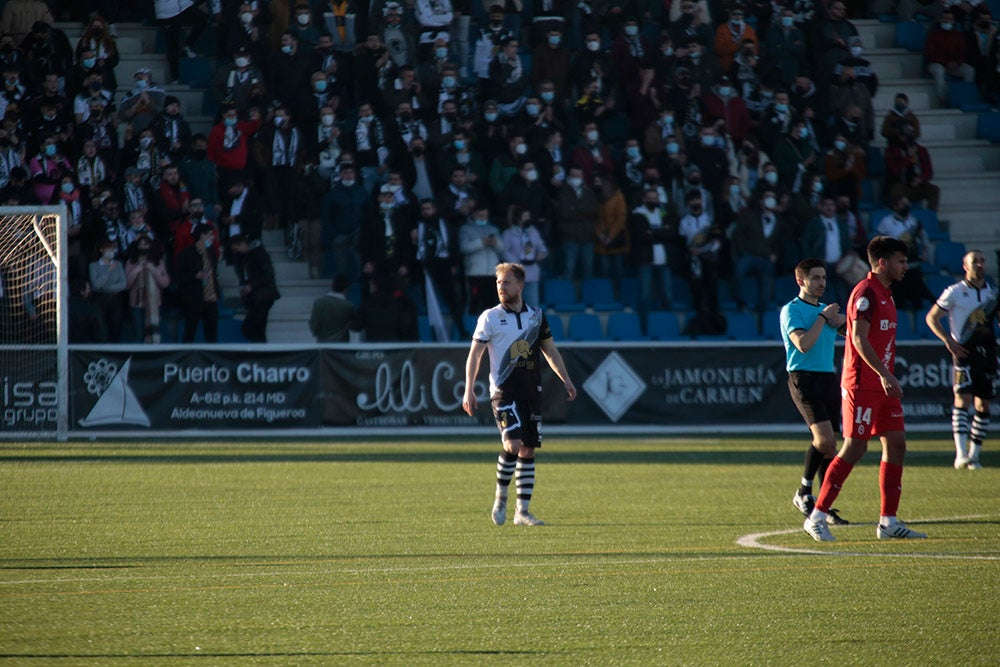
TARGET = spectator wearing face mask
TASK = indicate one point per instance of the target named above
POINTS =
(592, 155)
(551, 62)
(723, 103)
(198, 284)
(481, 248)
(900, 115)
(594, 62)
(628, 51)
(525, 189)
(575, 225)
(794, 155)
(785, 47)
(947, 54)
(729, 37)
(909, 170)
(756, 245)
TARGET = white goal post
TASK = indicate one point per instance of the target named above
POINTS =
(34, 322)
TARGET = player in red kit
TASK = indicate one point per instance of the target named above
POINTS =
(871, 404)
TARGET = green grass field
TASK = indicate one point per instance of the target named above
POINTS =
(353, 553)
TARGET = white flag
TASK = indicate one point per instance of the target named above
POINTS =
(434, 311)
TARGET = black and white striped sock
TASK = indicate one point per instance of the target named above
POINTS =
(505, 471)
(960, 428)
(524, 479)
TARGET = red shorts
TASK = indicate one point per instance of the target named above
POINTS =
(867, 414)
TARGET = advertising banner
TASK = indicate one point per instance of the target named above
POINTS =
(179, 389)
(330, 389)
(29, 391)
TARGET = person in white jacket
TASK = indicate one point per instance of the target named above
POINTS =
(481, 248)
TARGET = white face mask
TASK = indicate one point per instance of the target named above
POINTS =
(246, 18)
(770, 203)
(531, 176)
(347, 182)
(108, 255)
(521, 149)
(631, 30)
(208, 243)
(327, 119)
(482, 222)
(574, 181)
(840, 145)
(242, 62)
(592, 136)
(303, 19)
(856, 51)
(771, 177)
(593, 46)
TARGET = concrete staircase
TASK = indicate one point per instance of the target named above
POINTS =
(137, 45)
(289, 318)
(966, 168)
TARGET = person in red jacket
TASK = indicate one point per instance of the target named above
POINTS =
(947, 54)
(170, 202)
(908, 171)
(723, 102)
(227, 145)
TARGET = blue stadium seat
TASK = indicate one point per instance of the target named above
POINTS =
(911, 35)
(599, 294)
(937, 282)
(663, 325)
(628, 287)
(196, 72)
(965, 96)
(743, 326)
(770, 324)
(585, 326)
(560, 295)
(948, 256)
(681, 294)
(874, 217)
(931, 223)
(904, 326)
(624, 327)
(869, 194)
(988, 126)
(556, 327)
(875, 162)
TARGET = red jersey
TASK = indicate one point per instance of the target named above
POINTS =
(871, 301)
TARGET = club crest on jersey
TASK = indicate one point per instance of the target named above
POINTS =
(862, 304)
(521, 349)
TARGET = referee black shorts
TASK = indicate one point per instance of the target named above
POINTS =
(816, 395)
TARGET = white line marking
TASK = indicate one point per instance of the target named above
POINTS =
(753, 541)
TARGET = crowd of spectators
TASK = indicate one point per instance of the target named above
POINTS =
(707, 142)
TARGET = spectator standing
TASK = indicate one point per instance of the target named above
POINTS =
(576, 222)
(437, 254)
(612, 246)
(228, 143)
(826, 237)
(756, 242)
(146, 277)
(198, 285)
(257, 285)
(107, 277)
(343, 210)
(703, 243)
(481, 248)
(652, 236)
(731, 36)
(522, 239)
(173, 16)
(333, 316)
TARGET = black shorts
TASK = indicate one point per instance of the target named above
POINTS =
(976, 375)
(816, 395)
(519, 420)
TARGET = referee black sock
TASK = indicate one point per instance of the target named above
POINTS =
(814, 461)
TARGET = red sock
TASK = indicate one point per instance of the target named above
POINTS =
(836, 475)
(890, 484)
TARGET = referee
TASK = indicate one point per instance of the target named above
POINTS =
(809, 329)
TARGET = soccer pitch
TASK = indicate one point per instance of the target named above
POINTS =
(655, 552)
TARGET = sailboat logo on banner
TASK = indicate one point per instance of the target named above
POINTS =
(116, 402)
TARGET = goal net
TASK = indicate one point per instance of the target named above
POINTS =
(33, 322)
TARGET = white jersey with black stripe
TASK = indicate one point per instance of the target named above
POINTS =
(515, 357)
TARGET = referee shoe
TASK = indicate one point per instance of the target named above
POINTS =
(804, 504)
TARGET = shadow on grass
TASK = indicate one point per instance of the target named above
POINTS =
(555, 454)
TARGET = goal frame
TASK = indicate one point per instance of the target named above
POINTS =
(61, 345)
